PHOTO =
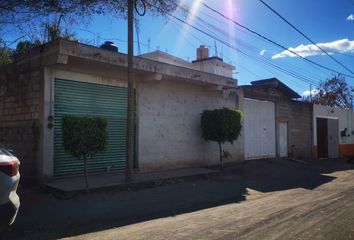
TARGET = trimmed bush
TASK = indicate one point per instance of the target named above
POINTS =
(84, 137)
(221, 125)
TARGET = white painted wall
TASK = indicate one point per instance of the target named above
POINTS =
(212, 65)
(169, 125)
(345, 118)
(259, 129)
(168, 116)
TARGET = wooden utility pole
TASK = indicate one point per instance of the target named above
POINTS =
(131, 84)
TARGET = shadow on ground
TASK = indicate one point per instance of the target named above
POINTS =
(42, 216)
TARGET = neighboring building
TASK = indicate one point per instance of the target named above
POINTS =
(64, 77)
(333, 132)
(275, 125)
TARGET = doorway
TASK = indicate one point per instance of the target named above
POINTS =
(327, 137)
(283, 139)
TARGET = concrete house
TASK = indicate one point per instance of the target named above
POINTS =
(275, 125)
(333, 132)
(64, 77)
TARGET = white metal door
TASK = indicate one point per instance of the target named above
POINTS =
(259, 129)
(333, 138)
(283, 139)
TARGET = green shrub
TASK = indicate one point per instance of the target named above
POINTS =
(84, 137)
(221, 125)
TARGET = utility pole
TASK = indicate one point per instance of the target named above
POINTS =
(310, 92)
(131, 83)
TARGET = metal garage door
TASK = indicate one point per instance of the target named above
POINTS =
(259, 129)
(86, 99)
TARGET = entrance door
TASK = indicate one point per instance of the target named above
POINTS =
(283, 139)
(93, 100)
(259, 129)
(333, 138)
(322, 137)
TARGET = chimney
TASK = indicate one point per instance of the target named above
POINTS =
(202, 52)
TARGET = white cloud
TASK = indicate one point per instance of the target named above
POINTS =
(262, 52)
(307, 92)
(343, 45)
(350, 17)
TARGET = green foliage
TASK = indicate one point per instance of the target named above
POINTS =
(335, 91)
(5, 53)
(221, 125)
(84, 137)
(24, 46)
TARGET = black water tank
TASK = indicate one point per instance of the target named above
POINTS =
(108, 45)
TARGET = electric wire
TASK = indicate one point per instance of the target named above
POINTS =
(275, 43)
(304, 35)
(293, 74)
(264, 60)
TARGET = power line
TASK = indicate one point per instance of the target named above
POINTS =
(248, 46)
(288, 72)
(275, 43)
(296, 29)
(263, 60)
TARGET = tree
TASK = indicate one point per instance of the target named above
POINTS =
(221, 125)
(334, 92)
(24, 46)
(83, 138)
(5, 53)
(19, 12)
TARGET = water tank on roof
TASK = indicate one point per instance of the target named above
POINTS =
(110, 46)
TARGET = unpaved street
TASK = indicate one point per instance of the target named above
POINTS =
(256, 200)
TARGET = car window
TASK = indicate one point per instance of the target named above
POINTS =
(3, 151)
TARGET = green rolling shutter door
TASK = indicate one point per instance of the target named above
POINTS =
(86, 99)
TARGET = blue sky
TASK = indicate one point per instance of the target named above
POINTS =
(323, 21)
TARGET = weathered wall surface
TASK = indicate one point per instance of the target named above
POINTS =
(345, 119)
(19, 113)
(169, 125)
(259, 129)
(297, 114)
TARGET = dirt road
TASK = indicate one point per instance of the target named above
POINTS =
(256, 200)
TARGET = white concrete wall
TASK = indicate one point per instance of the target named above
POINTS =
(169, 125)
(259, 129)
(345, 117)
(213, 65)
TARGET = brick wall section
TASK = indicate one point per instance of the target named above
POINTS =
(19, 114)
(296, 113)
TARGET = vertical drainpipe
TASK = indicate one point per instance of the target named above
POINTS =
(276, 129)
(311, 131)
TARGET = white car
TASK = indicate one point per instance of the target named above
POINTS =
(9, 179)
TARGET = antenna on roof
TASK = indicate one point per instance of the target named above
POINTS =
(216, 49)
(149, 44)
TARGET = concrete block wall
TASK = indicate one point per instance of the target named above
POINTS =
(298, 116)
(169, 125)
(19, 113)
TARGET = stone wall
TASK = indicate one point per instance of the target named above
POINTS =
(19, 113)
